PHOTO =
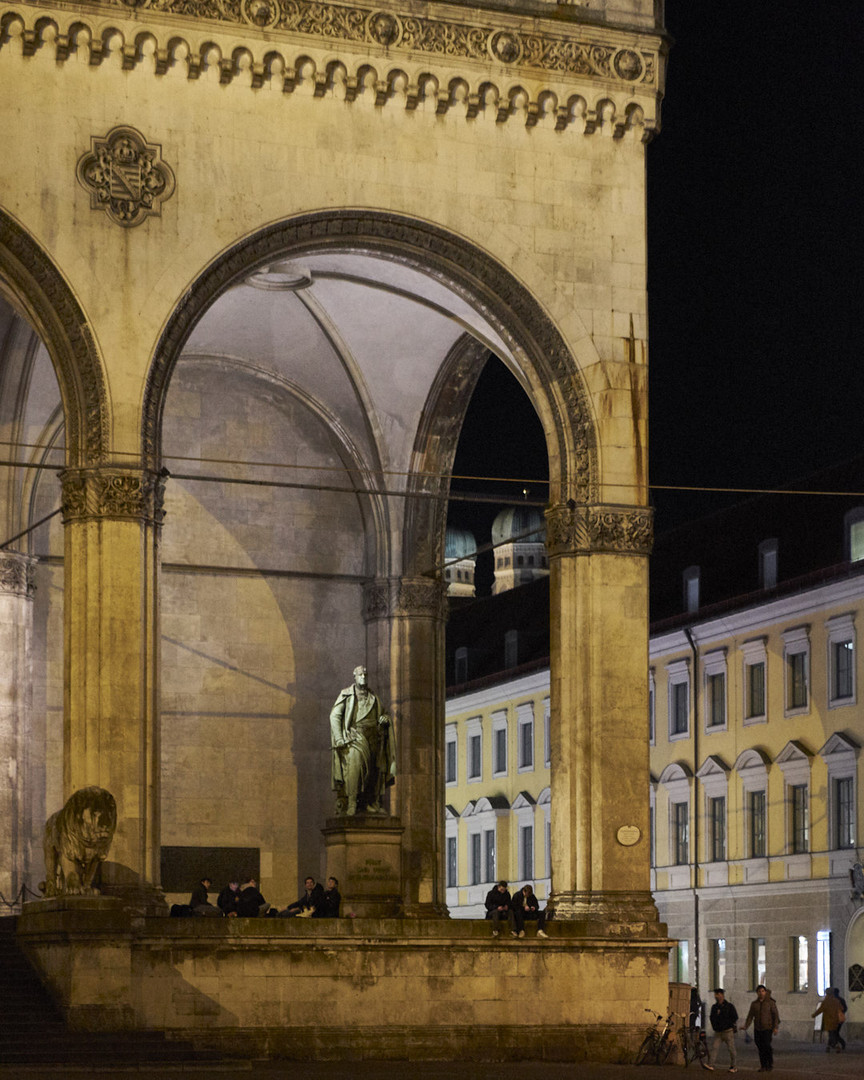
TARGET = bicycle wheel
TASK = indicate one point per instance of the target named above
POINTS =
(663, 1051)
(646, 1050)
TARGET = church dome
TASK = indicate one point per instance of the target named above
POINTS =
(526, 522)
(459, 544)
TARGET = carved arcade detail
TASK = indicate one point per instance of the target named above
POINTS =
(113, 493)
(392, 597)
(17, 574)
(579, 530)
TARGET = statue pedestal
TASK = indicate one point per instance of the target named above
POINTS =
(364, 853)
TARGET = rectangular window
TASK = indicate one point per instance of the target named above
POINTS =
(461, 662)
(476, 866)
(755, 689)
(489, 855)
(475, 757)
(842, 670)
(547, 733)
(651, 707)
(451, 862)
(717, 835)
(526, 852)
(548, 848)
(758, 968)
(717, 950)
(499, 751)
(756, 813)
(680, 834)
(844, 812)
(798, 825)
(450, 767)
(526, 743)
(715, 692)
(679, 708)
(679, 963)
(796, 680)
(799, 966)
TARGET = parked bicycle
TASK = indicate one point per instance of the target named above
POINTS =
(694, 1045)
(658, 1042)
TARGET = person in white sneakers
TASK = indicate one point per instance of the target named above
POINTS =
(724, 1018)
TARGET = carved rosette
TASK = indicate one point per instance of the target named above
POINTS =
(405, 597)
(125, 176)
(17, 574)
(581, 530)
(112, 493)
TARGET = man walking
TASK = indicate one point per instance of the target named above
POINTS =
(766, 1021)
(724, 1017)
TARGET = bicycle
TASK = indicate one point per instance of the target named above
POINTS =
(657, 1044)
(694, 1045)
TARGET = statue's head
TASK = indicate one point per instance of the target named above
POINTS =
(360, 677)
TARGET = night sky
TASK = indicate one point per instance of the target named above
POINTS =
(755, 243)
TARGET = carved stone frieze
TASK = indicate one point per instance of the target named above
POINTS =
(476, 38)
(386, 598)
(125, 176)
(113, 493)
(17, 573)
(577, 530)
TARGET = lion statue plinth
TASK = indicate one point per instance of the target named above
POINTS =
(77, 839)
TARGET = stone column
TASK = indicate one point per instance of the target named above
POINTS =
(599, 722)
(16, 632)
(405, 634)
(112, 517)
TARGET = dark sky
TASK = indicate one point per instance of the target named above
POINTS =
(755, 243)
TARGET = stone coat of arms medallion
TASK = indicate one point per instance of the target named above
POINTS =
(125, 176)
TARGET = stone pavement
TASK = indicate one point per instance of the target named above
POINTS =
(793, 1060)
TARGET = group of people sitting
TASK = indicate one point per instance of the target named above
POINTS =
(517, 910)
(243, 899)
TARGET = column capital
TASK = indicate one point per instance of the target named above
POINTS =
(573, 529)
(422, 597)
(17, 574)
(111, 492)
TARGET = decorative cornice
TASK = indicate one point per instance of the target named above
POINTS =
(112, 493)
(17, 573)
(515, 69)
(385, 598)
(580, 530)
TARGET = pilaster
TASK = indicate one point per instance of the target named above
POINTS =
(405, 630)
(599, 701)
(112, 517)
(16, 633)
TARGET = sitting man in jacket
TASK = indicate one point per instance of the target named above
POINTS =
(251, 903)
(498, 907)
(199, 901)
(329, 908)
(310, 902)
(229, 899)
(724, 1017)
(526, 906)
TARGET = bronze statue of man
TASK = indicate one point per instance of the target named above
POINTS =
(364, 749)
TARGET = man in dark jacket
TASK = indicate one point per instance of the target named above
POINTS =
(229, 899)
(329, 908)
(498, 907)
(766, 1021)
(251, 903)
(724, 1017)
(841, 1042)
(199, 901)
(310, 902)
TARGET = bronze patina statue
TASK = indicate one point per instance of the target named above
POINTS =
(77, 839)
(364, 749)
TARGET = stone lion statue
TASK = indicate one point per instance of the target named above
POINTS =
(77, 839)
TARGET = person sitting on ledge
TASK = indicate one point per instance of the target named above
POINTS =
(308, 904)
(331, 901)
(251, 903)
(527, 906)
(199, 901)
(229, 899)
(498, 907)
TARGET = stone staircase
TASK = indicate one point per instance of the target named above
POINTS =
(33, 1032)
